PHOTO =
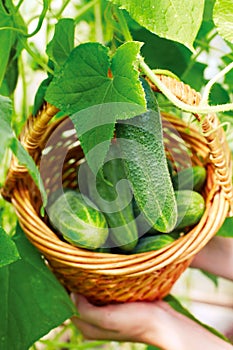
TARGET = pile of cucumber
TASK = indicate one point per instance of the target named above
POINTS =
(137, 201)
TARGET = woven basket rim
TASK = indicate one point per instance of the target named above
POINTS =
(180, 250)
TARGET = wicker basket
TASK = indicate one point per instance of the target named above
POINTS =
(104, 277)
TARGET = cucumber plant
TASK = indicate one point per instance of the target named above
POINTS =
(88, 58)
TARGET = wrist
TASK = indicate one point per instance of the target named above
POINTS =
(171, 330)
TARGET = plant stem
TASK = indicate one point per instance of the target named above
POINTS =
(85, 9)
(37, 58)
(123, 24)
(18, 5)
(210, 83)
(202, 109)
(66, 3)
(24, 87)
(41, 19)
(98, 23)
(203, 46)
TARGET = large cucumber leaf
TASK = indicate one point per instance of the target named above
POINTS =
(177, 20)
(32, 301)
(95, 90)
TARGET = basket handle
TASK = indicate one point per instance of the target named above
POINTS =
(220, 154)
(30, 137)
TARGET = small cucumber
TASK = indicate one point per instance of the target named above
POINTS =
(78, 220)
(141, 141)
(192, 178)
(112, 194)
(191, 206)
(150, 243)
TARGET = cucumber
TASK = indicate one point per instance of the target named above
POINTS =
(150, 243)
(79, 222)
(142, 224)
(191, 206)
(111, 192)
(141, 142)
(192, 178)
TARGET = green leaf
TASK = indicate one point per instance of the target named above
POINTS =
(84, 80)
(62, 42)
(6, 40)
(40, 94)
(226, 229)
(155, 51)
(98, 90)
(26, 160)
(32, 300)
(6, 133)
(176, 305)
(194, 76)
(11, 75)
(211, 277)
(8, 250)
(207, 23)
(8, 139)
(218, 95)
(223, 18)
(177, 20)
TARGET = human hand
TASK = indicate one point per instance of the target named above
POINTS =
(134, 322)
(154, 323)
(216, 257)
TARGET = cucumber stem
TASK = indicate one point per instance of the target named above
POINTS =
(201, 109)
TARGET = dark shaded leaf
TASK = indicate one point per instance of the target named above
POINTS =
(8, 250)
(32, 301)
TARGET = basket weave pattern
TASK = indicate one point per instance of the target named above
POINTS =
(105, 277)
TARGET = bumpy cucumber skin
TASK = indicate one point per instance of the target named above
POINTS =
(117, 208)
(142, 145)
(191, 207)
(192, 178)
(74, 216)
(149, 243)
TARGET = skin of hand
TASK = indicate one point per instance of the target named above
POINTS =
(216, 257)
(154, 323)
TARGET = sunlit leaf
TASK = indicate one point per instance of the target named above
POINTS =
(96, 90)
(223, 18)
(177, 20)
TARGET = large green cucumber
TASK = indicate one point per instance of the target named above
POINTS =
(112, 194)
(192, 178)
(149, 243)
(77, 219)
(191, 206)
(141, 141)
